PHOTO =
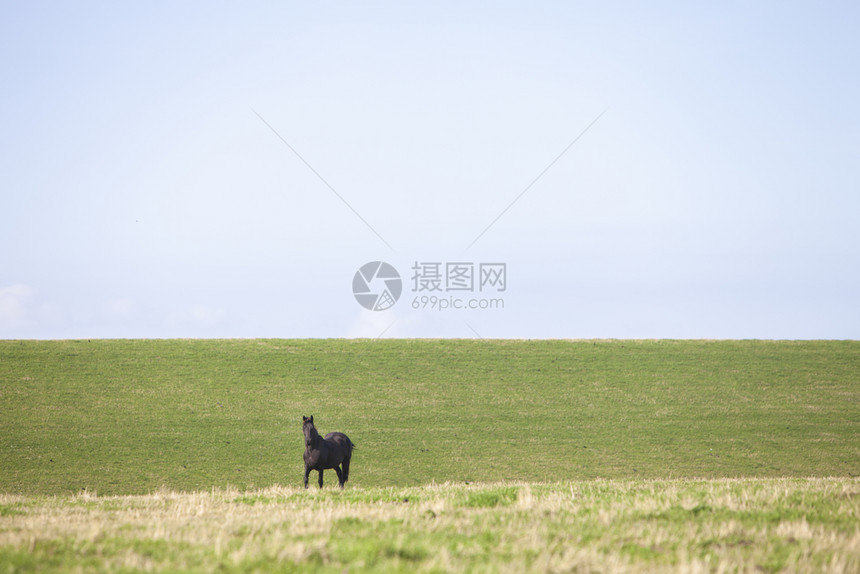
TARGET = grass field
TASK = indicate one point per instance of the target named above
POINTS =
(472, 455)
(130, 417)
(755, 525)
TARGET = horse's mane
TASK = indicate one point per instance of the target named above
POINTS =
(311, 431)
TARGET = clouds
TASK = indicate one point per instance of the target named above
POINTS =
(121, 308)
(24, 313)
(27, 313)
(374, 325)
(196, 318)
(14, 303)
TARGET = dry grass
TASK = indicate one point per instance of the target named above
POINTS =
(718, 525)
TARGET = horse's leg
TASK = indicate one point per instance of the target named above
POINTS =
(307, 472)
(321, 471)
(340, 478)
(345, 465)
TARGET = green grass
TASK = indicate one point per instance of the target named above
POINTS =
(630, 456)
(133, 416)
(765, 525)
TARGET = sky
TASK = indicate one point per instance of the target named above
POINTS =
(527, 170)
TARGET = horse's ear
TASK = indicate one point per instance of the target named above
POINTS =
(304, 419)
(311, 419)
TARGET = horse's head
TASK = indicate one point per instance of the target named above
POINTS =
(310, 430)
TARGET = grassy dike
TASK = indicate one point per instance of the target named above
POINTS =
(134, 416)
(473, 456)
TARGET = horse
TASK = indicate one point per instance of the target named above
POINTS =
(333, 451)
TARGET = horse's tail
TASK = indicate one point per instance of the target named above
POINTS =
(350, 446)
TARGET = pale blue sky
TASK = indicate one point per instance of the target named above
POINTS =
(718, 196)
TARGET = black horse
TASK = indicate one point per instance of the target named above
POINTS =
(333, 451)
